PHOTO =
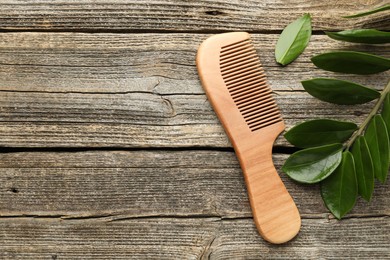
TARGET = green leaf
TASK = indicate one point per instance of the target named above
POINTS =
(373, 11)
(320, 132)
(313, 164)
(364, 168)
(378, 143)
(351, 62)
(386, 112)
(370, 36)
(339, 191)
(339, 91)
(293, 40)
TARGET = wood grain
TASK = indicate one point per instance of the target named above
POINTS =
(192, 238)
(138, 90)
(170, 15)
(145, 183)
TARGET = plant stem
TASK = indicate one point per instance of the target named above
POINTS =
(369, 117)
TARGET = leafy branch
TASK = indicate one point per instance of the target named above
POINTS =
(373, 112)
(344, 158)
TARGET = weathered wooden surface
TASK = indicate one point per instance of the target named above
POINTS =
(138, 90)
(145, 183)
(188, 238)
(110, 149)
(193, 15)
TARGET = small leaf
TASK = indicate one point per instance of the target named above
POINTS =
(351, 62)
(370, 36)
(313, 164)
(339, 191)
(320, 132)
(386, 112)
(364, 168)
(373, 11)
(339, 91)
(378, 143)
(293, 40)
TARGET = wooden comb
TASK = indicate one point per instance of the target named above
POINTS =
(235, 84)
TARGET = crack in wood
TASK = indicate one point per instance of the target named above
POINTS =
(207, 250)
(59, 149)
(82, 92)
(143, 31)
(104, 92)
(5, 149)
(215, 13)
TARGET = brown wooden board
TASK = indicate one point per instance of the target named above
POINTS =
(189, 238)
(109, 148)
(139, 90)
(145, 183)
(170, 15)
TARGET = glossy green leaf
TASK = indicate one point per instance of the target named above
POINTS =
(386, 112)
(339, 91)
(373, 11)
(364, 168)
(293, 40)
(313, 164)
(320, 132)
(339, 191)
(351, 62)
(378, 143)
(370, 36)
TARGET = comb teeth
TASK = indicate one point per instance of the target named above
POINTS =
(246, 82)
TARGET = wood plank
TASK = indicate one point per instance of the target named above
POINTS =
(170, 15)
(352, 238)
(93, 239)
(196, 238)
(138, 90)
(145, 183)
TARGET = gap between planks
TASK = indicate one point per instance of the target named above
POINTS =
(143, 31)
(123, 217)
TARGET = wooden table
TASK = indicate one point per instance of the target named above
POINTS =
(110, 149)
